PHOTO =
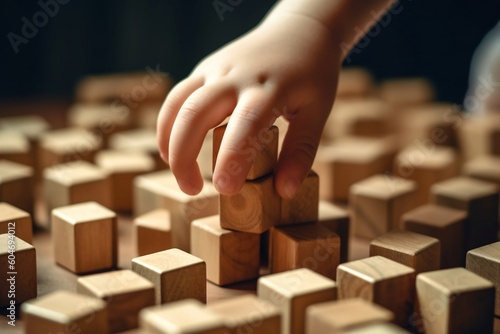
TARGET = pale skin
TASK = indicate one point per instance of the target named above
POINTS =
(288, 67)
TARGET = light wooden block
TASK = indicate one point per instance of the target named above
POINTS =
(231, 256)
(125, 294)
(122, 168)
(254, 209)
(377, 204)
(486, 167)
(455, 301)
(406, 92)
(153, 232)
(303, 208)
(175, 274)
(337, 220)
(262, 150)
(160, 190)
(372, 278)
(31, 126)
(426, 168)
(248, 314)
(63, 311)
(15, 147)
(139, 140)
(310, 246)
(182, 317)
(292, 292)
(338, 317)
(76, 182)
(349, 160)
(418, 251)
(479, 199)
(16, 219)
(18, 275)
(85, 237)
(479, 135)
(445, 224)
(355, 83)
(485, 262)
(16, 185)
(377, 328)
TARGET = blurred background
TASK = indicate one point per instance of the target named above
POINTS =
(433, 39)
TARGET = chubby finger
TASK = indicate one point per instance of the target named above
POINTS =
(169, 110)
(243, 138)
(204, 109)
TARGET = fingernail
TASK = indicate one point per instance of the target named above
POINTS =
(291, 187)
(225, 185)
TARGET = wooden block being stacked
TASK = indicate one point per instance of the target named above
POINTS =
(15, 147)
(16, 185)
(153, 232)
(303, 208)
(16, 219)
(377, 204)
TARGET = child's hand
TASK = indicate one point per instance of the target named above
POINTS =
(288, 66)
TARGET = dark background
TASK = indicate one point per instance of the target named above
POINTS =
(435, 39)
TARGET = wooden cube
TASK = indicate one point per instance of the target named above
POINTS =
(153, 232)
(185, 316)
(377, 204)
(339, 316)
(336, 219)
(310, 246)
(406, 92)
(125, 294)
(292, 292)
(262, 150)
(372, 278)
(159, 190)
(175, 274)
(85, 237)
(122, 168)
(76, 182)
(355, 82)
(18, 275)
(377, 328)
(16, 185)
(17, 220)
(248, 314)
(486, 167)
(445, 224)
(303, 208)
(479, 199)
(485, 262)
(455, 301)
(254, 209)
(349, 160)
(414, 250)
(231, 256)
(63, 311)
(479, 135)
(15, 147)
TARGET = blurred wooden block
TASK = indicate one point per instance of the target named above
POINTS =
(15, 147)
(406, 92)
(485, 168)
(479, 199)
(138, 140)
(340, 316)
(336, 219)
(153, 232)
(349, 160)
(17, 220)
(205, 157)
(248, 314)
(125, 294)
(485, 261)
(377, 204)
(355, 82)
(147, 116)
(182, 317)
(175, 274)
(372, 277)
(254, 209)
(292, 292)
(455, 301)
(16, 185)
(420, 252)
(310, 246)
(377, 328)
(160, 190)
(122, 168)
(262, 150)
(480, 136)
(426, 168)
(66, 145)
(303, 208)
(446, 225)
(85, 237)
(76, 182)
(31, 126)
(18, 275)
(230, 256)
(60, 311)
